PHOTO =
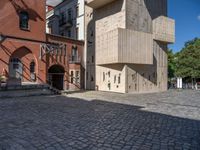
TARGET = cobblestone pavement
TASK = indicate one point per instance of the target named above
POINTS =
(98, 121)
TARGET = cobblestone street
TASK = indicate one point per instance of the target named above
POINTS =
(98, 120)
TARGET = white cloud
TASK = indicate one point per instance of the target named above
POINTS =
(198, 17)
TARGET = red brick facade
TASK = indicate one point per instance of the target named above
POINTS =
(20, 49)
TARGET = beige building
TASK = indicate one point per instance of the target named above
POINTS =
(126, 44)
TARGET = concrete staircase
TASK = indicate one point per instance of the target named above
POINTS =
(26, 89)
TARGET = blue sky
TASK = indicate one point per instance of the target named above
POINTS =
(187, 16)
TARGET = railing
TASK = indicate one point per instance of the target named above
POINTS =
(74, 59)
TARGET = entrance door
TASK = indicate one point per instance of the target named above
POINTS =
(15, 68)
(56, 77)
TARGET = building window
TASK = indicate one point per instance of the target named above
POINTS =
(32, 67)
(77, 77)
(109, 74)
(91, 32)
(69, 33)
(69, 14)
(92, 59)
(50, 30)
(104, 76)
(72, 77)
(115, 78)
(62, 33)
(62, 19)
(74, 53)
(92, 78)
(77, 33)
(77, 10)
(119, 79)
(24, 19)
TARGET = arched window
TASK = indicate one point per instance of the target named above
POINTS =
(32, 67)
(24, 18)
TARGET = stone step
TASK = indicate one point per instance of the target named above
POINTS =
(26, 90)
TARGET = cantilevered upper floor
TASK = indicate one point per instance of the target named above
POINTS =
(126, 30)
(98, 3)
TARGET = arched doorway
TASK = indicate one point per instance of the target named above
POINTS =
(22, 65)
(56, 76)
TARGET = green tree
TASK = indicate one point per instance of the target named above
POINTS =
(171, 64)
(188, 60)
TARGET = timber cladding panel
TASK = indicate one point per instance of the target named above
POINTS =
(124, 46)
(164, 29)
(135, 47)
(133, 35)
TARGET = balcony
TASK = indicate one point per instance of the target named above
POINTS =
(124, 46)
(65, 23)
(74, 59)
(98, 3)
(164, 29)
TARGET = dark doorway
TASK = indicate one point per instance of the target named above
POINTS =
(56, 76)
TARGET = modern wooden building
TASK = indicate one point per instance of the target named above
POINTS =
(129, 43)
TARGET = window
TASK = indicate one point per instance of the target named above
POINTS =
(92, 59)
(74, 53)
(62, 19)
(119, 79)
(62, 33)
(77, 11)
(92, 78)
(24, 18)
(69, 33)
(109, 74)
(69, 14)
(115, 78)
(15, 66)
(32, 67)
(77, 33)
(72, 77)
(104, 76)
(77, 77)
(91, 32)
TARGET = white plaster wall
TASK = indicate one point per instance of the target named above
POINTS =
(78, 21)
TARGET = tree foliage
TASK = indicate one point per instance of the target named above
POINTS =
(188, 60)
(171, 64)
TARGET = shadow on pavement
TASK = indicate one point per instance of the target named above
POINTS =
(58, 122)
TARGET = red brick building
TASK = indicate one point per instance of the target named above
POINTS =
(28, 54)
